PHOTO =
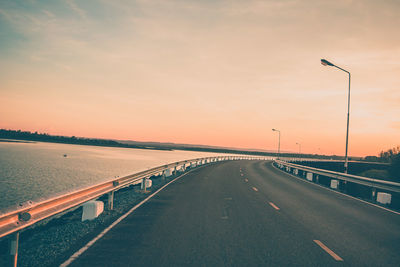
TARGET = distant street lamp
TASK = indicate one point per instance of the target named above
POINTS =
(327, 63)
(279, 142)
(299, 147)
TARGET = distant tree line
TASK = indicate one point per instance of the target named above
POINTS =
(384, 156)
(391, 156)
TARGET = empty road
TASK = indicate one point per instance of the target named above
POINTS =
(247, 213)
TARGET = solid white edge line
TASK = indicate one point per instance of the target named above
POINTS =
(90, 243)
(340, 193)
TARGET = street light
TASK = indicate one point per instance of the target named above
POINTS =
(299, 147)
(279, 143)
(327, 63)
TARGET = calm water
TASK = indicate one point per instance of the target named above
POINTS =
(36, 171)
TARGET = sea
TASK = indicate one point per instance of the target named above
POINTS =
(36, 171)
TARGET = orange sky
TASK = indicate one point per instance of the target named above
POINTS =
(204, 72)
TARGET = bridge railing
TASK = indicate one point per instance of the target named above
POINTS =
(375, 190)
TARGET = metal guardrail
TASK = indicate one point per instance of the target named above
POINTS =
(33, 213)
(374, 183)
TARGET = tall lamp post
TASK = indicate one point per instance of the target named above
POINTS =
(299, 147)
(279, 142)
(327, 63)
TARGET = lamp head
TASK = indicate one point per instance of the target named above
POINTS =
(326, 62)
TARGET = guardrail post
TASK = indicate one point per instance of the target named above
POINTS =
(110, 200)
(144, 186)
(14, 242)
(343, 186)
(373, 194)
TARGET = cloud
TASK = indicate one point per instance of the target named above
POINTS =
(395, 125)
(48, 13)
(223, 61)
(4, 14)
(76, 8)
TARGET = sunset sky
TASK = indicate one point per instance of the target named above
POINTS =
(204, 72)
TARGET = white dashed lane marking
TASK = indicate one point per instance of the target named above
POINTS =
(274, 206)
(327, 250)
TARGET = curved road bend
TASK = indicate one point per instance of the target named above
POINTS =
(247, 213)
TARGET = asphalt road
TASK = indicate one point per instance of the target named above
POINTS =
(247, 213)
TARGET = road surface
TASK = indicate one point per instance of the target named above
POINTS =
(247, 213)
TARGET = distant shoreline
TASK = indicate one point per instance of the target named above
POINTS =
(15, 141)
(24, 141)
(18, 136)
(44, 137)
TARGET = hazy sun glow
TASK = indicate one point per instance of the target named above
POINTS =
(204, 72)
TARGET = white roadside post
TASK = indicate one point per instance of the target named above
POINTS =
(334, 184)
(92, 209)
(309, 176)
(167, 172)
(384, 198)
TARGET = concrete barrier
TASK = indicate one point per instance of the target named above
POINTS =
(91, 210)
